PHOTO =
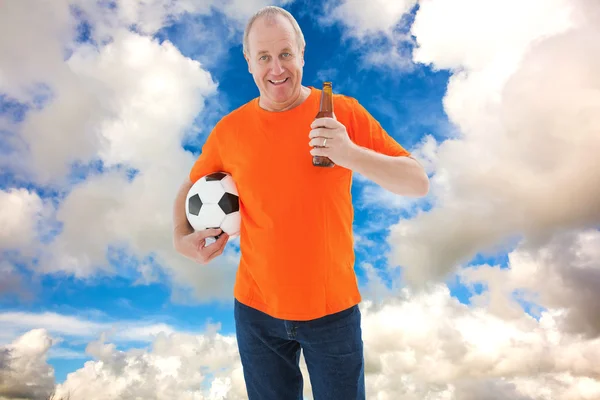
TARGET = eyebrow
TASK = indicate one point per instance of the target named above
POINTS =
(286, 49)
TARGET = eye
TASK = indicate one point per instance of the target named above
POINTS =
(263, 58)
(286, 55)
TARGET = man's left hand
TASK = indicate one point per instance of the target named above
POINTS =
(331, 140)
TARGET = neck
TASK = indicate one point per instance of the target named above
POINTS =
(302, 95)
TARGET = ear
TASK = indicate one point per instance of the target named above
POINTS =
(303, 57)
(248, 62)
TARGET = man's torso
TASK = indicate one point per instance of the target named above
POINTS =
(297, 257)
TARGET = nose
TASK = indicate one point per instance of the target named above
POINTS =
(277, 68)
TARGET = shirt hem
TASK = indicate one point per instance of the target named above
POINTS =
(260, 306)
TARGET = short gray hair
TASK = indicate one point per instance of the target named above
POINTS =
(271, 11)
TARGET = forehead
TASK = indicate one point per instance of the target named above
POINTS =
(271, 32)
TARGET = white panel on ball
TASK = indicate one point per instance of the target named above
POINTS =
(210, 191)
(231, 223)
(229, 185)
(210, 216)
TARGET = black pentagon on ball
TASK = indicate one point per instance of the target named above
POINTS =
(215, 176)
(195, 204)
(229, 203)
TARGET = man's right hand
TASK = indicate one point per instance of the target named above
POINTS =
(193, 245)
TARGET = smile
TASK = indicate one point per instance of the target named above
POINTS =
(279, 82)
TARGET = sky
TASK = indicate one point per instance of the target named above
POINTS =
(483, 289)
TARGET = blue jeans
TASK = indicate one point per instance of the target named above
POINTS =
(270, 352)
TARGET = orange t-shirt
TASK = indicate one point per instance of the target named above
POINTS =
(296, 242)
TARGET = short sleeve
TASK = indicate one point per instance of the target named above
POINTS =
(368, 132)
(209, 160)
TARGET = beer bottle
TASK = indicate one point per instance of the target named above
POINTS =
(325, 110)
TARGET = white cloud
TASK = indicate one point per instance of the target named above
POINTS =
(19, 322)
(240, 10)
(375, 17)
(177, 366)
(395, 57)
(37, 56)
(431, 346)
(149, 93)
(85, 326)
(473, 35)
(56, 353)
(20, 211)
(82, 327)
(24, 372)
(525, 102)
(133, 100)
(376, 289)
(562, 273)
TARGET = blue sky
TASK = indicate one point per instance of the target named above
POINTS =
(408, 104)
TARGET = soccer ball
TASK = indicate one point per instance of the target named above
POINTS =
(213, 202)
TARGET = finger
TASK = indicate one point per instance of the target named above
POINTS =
(212, 255)
(223, 238)
(320, 132)
(325, 123)
(207, 253)
(218, 241)
(219, 247)
(319, 151)
(209, 249)
(320, 142)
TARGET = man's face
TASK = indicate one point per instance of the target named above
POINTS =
(275, 61)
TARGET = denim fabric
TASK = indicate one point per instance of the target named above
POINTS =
(270, 352)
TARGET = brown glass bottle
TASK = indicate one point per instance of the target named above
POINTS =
(325, 110)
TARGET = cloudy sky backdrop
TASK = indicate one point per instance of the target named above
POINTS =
(485, 289)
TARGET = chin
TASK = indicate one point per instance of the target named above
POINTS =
(281, 97)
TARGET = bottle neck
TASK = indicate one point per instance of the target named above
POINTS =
(326, 100)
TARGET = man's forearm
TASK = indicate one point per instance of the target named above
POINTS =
(400, 175)
(181, 226)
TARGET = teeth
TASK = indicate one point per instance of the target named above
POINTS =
(283, 80)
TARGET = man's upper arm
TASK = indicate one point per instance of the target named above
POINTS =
(368, 132)
(209, 160)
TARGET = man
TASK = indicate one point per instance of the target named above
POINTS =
(295, 286)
